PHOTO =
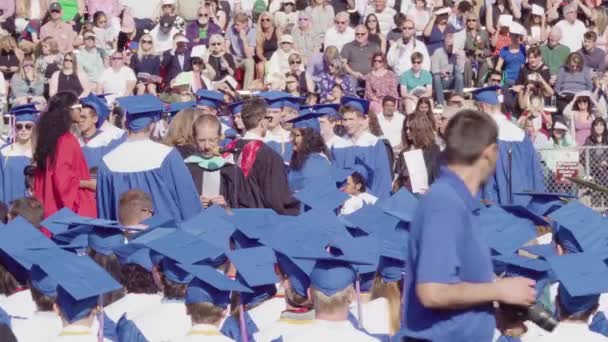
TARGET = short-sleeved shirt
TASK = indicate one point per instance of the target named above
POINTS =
(62, 32)
(236, 45)
(542, 70)
(115, 83)
(512, 62)
(554, 57)
(447, 246)
(411, 82)
(359, 57)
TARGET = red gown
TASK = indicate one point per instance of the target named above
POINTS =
(59, 185)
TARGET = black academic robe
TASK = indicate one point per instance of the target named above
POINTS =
(267, 179)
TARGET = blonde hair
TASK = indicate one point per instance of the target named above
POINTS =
(8, 43)
(392, 293)
(22, 71)
(52, 43)
(259, 33)
(205, 313)
(601, 20)
(179, 132)
(335, 303)
(140, 51)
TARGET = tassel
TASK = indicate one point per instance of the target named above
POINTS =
(358, 296)
(100, 319)
(244, 337)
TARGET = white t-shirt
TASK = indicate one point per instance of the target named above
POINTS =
(162, 42)
(392, 129)
(337, 39)
(572, 35)
(385, 18)
(142, 9)
(115, 83)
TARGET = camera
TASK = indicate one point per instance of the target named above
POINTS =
(535, 313)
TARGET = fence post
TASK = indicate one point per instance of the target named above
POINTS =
(587, 168)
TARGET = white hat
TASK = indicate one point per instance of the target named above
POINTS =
(517, 28)
(199, 51)
(168, 2)
(444, 10)
(286, 38)
(505, 20)
(537, 10)
(181, 39)
(559, 125)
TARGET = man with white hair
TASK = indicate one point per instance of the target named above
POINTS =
(574, 27)
(554, 54)
(399, 55)
(339, 34)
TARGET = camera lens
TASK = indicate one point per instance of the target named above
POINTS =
(541, 317)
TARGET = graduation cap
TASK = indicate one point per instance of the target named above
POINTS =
(210, 286)
(135, 254)
(307, 119)
(544, 203)
(486, 95)
(141, 110)
(504, 232)
(250, 225)
(365, 249)
(184, 248)
(104, 238)
(209, 98)
(401, 204)
(158, 220)
(210, 227)
(370, 219)
(59, 216)
(581, 229)
(176, 107)
(321, 195)
(582, 278)
(26, 112)
(544, 251)
(80, 283)
(236, 107)
(255, 269)
(328, 109)
(274, 98)
(358, 104)
(99, 105)
(293, 102)
(518, 266)
(38, 277)
(526, 213)
(393, 254)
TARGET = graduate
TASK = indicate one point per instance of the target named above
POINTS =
(207, 301)
(329, 123)
(210, 101)
(310, 159)
(365, 146)
(263, 168)
(217, 181)
(96, 142)
(146, 165)
(525, 165)
(277, 137)
(355, 186)
(16, 156)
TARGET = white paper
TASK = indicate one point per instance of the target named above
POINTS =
(414, 160)
(211, 184)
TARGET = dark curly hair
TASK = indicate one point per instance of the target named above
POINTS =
(312, 142)
(137, 279)
(52, 125)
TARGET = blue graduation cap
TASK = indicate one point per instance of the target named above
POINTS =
(401, 204)
(210, 286)
(307, 119)
(293, 102)
(581, 229)
(141, 110)
(526, 213)
(209, 98)
(184, 248)
(60, 216)
(328, 109)
(370, 219)
(365, 249)
(321, 195)
(81, 281)
(39, 278)
(393, 254)
(582, 278)
(135, 254)
(541, 251)
(250, 225)
(179, 106)
(26, 112)
(210, 227)
(255, 269)
(487, 95)
(358, 104)
(157, 220)
(99, 105)
(105, 238)
(274, 98)
(236, 107)
(519, 266)
(544, 203)
(504, 232)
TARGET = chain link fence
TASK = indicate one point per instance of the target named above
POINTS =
(589, 163)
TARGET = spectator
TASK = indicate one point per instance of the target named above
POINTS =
(146, 66)
(534, 110)
(305, 39)
(278, 65)
(477, 51)
(498, 9)
(335, 76)
(435, 29)
(421, 15)
(580, 113)
(202, 74)
(534, 72)
(415, 82)
(400, 54)
(27, 85)
(200, 30)
(462, 10)
(218, 14)
(384, 14)
(105, 34)
(598, 157)
(135, 207)
(177, 59)
(164, 34)
(358, 54)
(61, 169)
(554, 53)
(322, 14)
(537, 26)
(266, 42)
(28, 17)
(380, 83)
(573, 77)
(49, 59)
(305, 84)
(575, 28)
(70, 78)
(319, 64)
(285, 18)
(511, 59)
(221, 61)
(539, 139)
(501, 37)
(9, 60)
(593, 57)
(396, 33)
(599, 22)
(339, 34)
(111, 8)
(446, 67)
(374, 34)
(292, 85)
(391, 121)
(118, 80)
(93, 60)
(241, 40)
(61, 31)
(72, 12)
(180, 89)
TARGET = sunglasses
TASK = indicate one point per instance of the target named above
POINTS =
(265, 19)
(340, 22)
(146, 42)
(497, 80)
(55, 11)
(68, 60)
(378, 60)
(27, 127)
(407, 28)
(303, 19)
(471, 20)
(215, 44)
(359, 34)
(295, 62)
(417, 62)
(203, 15)
(89, 38)
(197, 62)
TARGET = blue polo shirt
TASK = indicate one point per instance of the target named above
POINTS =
(446, 246)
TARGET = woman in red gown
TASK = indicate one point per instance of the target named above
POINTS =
(59, 161)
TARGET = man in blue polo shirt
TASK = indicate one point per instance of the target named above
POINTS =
(450, 283)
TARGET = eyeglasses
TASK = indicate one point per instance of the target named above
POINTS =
(340, 22)
(268, 117)
(378, 60)
(27, 127)
(89, 38)
(359, 34)
(146, 41)
(195, 62)
(68, 60)
(201, 15)
(265, 19)
(303, 19)
(417, 62)
(117, 58)
(289, 4)
(215, 44)
(407, 28)
(295, 62)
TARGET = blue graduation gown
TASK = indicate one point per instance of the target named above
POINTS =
(99, 146)
(342, 157)
(12, 180)
(153, 168)
(526, 167)
(281, 145)
(316, 167)
(232, 328)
